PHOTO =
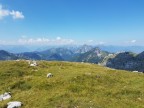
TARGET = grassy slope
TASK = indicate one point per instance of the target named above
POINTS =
(74, 85)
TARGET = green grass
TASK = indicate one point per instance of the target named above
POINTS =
(74, 85)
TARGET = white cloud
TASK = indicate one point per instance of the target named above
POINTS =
(90, 41)
(14, 14)
(133, 41)
(3, 12)
(46, 41)
(94, 42)
(101, 43)
(58, 38)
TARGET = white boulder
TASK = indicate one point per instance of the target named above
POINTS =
(14, 104)
(5, 96)
(49, 75)
(34, 63)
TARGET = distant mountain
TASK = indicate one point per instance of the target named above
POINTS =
(127, 61)
(83, 49)
(95, 55)
(56, 57)
(63, 53)
(4, 55)
(140, 56)
(29, 55)
(73, 48)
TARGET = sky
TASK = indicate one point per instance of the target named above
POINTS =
(63, 22)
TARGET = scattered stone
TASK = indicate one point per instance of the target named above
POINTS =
(14, 104)
(34, 63)
(49, 75)
(5, 96)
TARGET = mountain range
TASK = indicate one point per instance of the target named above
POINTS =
(84, 53)
(121, 60)
(31, 48)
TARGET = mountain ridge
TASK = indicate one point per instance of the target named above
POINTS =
(127, 61)
(120, 60)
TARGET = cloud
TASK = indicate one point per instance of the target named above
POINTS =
(133, 41)
(58, 38)
(46, 41)
(3, 12)
(13, 14)
(94, 42)
(17, 14)
(101, 43)
(90, 41)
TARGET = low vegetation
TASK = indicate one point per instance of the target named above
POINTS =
(73, 85)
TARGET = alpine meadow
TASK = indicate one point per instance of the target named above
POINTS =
(71, 53)
(73, 85)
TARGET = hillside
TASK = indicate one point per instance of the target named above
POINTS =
(74, 85)
(4, 55)
(127, 61)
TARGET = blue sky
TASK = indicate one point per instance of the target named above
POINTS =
(109, 22)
